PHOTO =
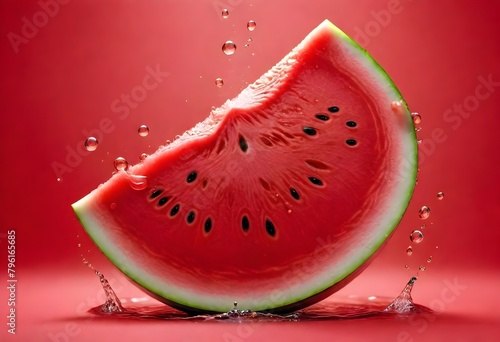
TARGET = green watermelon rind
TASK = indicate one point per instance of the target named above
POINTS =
(411, 158)
(181, 300)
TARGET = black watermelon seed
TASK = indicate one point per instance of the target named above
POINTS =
(322, 117)
(351, 124)
(191, 177)
(245, 224)
(175, 210)
(208, 225)
(309, 130)
(190, 217)
(351, 142)
(270, 228)
(163, 200)
(243, 144)
(155, 193)
(315, 181)
(294, 193)
(333, 109)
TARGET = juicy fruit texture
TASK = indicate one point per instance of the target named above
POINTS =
(275, 201)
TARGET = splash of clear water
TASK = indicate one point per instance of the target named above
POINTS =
(403, 303)
(113, 303)
(353, 308)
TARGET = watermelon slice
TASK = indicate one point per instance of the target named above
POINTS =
(275, 201)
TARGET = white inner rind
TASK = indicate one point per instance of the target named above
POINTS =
(376, 231)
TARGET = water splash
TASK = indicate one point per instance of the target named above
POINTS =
(403, 303)
(354, 307)
(112, 304)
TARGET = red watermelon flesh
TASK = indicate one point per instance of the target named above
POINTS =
(275, 201)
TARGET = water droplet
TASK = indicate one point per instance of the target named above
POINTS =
(418, 129)
(91, 144)
(416, 117)
(225, 13)
(143, 131)
(419, 141)
(229, 48)
(86, 262)
(409, 250)
(429, 259)
(138, 182)
(59, 179)
(143, 156)
(113, 205)
(421, 268)
(416, 236)
(424, 212)
(219, 82)
(407, 267)
(249, 40)
(120, 164)
(251, 25)
(423, 226)
(396, 105)
(440, 195)
(289, 211)
(79, 245)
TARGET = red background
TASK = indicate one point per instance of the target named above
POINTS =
(63, 79)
